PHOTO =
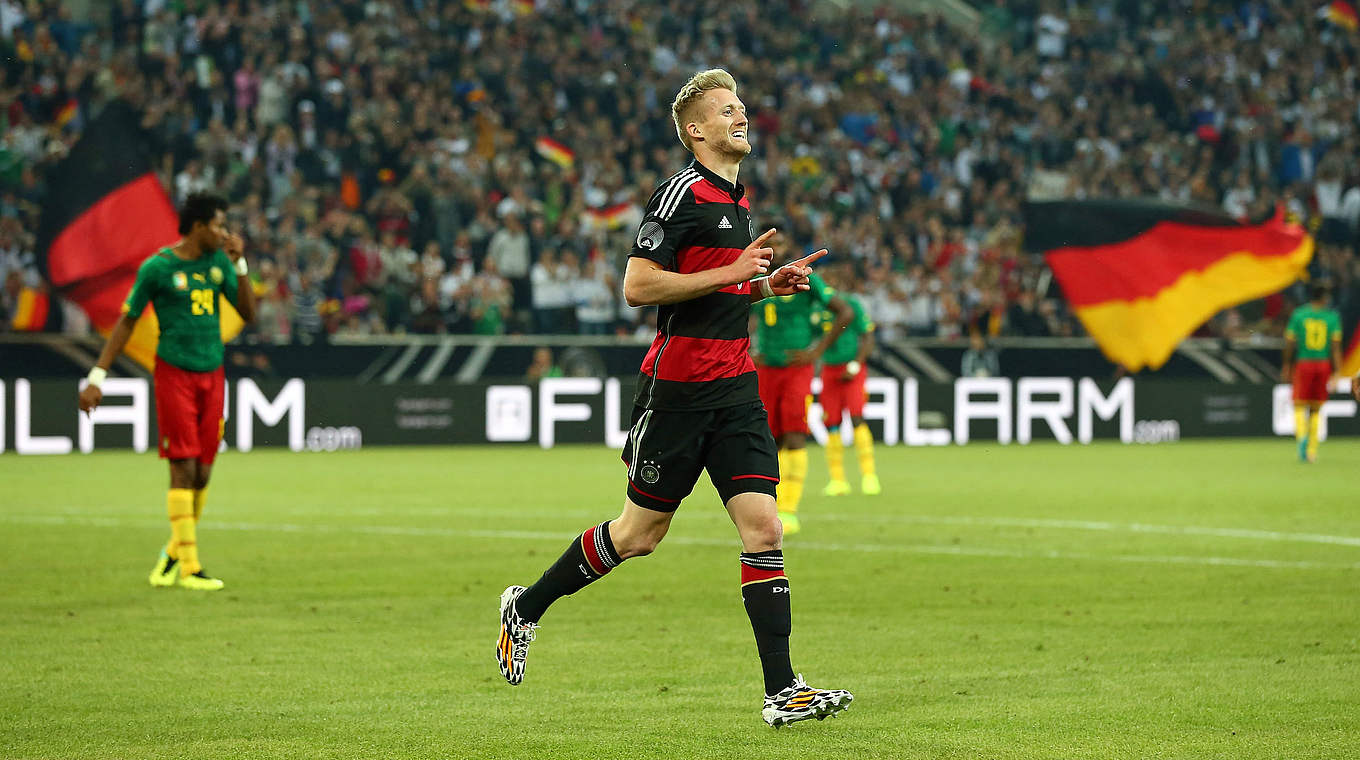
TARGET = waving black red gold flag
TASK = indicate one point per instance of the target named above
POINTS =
(106, 213)
(1142, 275)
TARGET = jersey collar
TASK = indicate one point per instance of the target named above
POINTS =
(736, 192)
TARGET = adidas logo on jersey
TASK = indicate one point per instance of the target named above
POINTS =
(724, 224)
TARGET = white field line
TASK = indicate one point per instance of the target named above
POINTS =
(964, 520)
(398, 530)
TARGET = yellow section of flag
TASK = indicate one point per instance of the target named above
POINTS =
(141, 347)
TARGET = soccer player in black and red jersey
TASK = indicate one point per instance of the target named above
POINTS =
(697, 406)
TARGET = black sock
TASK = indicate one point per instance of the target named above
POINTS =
(765, 591)
(588, 559)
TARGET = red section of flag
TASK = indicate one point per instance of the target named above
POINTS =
(1342, 14)
(102, 297)
(118, 232)
(1143, 266)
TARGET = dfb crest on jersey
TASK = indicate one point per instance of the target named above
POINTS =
(650, 473)
(650, 236)
(751, 227)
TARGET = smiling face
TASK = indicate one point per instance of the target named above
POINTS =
(721, 124)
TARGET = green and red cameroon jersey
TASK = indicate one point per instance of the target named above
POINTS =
(791, 323)
(846, 347)
(185, 296)
(1314, 331)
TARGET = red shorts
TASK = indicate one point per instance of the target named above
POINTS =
(188, 412)
(786, 393)
(1310, 380)
(840, 395)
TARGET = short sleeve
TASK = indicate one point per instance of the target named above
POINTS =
(143, 288)
(229, 286)
(1336, 326)
(1292, 330)
(860, 323)
(820, 291)
(666, 226)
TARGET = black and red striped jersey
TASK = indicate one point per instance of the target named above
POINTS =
(700, 358)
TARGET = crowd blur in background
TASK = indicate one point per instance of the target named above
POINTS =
(481, 167)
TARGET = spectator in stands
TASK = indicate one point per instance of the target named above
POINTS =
(306, 308)
(594, 293)
(336, 125)
(980, 360)
(1023, 317)
(491, 301)
(551, 294)
(542, 366)
(509, 248)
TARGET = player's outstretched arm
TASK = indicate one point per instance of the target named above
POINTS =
(647, 283)
(788, 279)
(92, 394)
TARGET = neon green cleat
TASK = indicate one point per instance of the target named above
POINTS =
(836, 488)
(790, 522)
(200, 581)
(164, 573)
(870, 485)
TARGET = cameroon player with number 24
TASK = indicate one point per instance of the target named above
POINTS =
(184, 283)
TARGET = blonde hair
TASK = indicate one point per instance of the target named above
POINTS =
(692, 93)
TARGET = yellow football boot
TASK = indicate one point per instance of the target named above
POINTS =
(200, 581)
(870, 485)
(836, 488)
(164, 573)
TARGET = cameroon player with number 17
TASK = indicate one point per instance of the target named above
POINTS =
(1313, 337)
(184, 282)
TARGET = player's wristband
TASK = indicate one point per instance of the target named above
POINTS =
(765, 290)
(241, 267)
(96, 376)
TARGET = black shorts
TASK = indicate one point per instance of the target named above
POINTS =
(667, 450)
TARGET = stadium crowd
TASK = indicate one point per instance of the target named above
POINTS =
(422, 166)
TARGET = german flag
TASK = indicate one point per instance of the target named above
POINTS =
(609, 217)
(555, 152)
(1142, 275)
(107, 213)
(1340, 13)
(30, 310)
(1350, 321)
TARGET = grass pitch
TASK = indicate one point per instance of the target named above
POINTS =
(1181, 601)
